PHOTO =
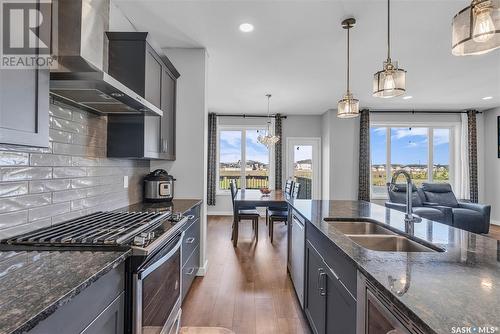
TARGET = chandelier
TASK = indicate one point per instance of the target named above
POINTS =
(268, 139)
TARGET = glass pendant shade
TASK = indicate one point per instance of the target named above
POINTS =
(348, 107)
(389, 82)
(476, 29)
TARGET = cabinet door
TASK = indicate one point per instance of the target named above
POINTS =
(110, 321)
(340, 306)
(152, 89)
(315, 301)
(168, 104)
(24, 107)
(152, 136)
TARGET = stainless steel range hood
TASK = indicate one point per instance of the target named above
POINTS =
(80, 78)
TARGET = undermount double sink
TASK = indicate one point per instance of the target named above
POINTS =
(376, 237)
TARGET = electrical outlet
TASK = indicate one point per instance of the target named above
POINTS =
(125, 181)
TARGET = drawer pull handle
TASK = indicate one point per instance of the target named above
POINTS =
(190, 240)
(190, 271)
(190, 217)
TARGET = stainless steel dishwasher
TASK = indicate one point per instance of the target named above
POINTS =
(297, 256)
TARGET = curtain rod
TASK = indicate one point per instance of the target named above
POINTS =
(247, 116)
(422, 112)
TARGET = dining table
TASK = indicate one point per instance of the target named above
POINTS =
(247, 198)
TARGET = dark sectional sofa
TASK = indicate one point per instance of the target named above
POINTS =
(436, 201)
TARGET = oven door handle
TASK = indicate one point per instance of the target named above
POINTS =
(148, 270)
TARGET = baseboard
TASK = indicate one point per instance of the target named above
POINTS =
(202, 271)
(495, 222)
(220, 213)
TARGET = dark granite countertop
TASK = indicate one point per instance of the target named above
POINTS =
(176, 205)
(458, 287)
(33, 284)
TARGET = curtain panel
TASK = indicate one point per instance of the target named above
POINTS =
(278, 152)
(472, 138)
(364, 156)
(464, 192)
(212, 159)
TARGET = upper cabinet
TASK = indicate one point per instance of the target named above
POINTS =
(24, 107)
(135, 63)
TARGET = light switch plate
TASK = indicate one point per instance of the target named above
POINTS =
(125, 181)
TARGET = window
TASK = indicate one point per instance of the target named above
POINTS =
(242, 158)
(423, 151)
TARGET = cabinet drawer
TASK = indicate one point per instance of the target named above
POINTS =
(192, 214)
(189, 271)
(191, 240)
(334, 258)
(76, 315)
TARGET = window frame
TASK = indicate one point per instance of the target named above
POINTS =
(242, 129)
(453, 149)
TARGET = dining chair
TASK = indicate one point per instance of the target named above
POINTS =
(281, 215)
(246, 213)
(282, 207)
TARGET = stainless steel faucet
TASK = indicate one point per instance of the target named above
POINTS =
(410, 219)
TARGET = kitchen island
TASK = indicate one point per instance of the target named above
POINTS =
(452, 286)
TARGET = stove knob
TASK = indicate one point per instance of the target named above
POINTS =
(139, 240)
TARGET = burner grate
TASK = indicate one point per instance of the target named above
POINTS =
(100, 228)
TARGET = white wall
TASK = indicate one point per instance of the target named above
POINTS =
(117, 20)
(340, 166)
(325, 155)
(492, 163)
(292, 126)
(189, 168)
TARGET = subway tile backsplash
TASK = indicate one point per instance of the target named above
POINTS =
(71, 178)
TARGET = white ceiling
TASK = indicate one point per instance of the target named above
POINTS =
(297, 52)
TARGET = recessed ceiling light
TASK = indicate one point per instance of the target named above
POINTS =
(407, 97)
(246, 27)
(487, 97)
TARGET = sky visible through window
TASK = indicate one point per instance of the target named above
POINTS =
(230, 147)
(410, 146)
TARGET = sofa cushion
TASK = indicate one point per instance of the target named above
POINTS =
(440, 194)
(431, 214)
(469, 220)
(397, 194)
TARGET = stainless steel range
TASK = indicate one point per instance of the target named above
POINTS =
(153, 286)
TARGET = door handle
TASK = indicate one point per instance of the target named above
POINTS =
(190, 240)
(321, 282)
(190, 272)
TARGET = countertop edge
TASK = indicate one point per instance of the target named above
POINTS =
(44, 314)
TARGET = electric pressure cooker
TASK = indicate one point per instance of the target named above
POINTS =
(158, 186)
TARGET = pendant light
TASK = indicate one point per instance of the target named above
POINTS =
(348, 107)
(391, 81)
(476, 29)
(268, 139)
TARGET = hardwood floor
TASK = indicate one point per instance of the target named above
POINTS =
(494, 232)
(246, 289)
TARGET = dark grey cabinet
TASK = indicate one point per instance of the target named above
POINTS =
(137, 65)
(110, 321)
(315, 301)
(24, 107)
(330, 296)
(97, 309)
(190, 249)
